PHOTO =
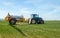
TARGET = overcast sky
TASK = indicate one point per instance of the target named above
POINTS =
(47, 9)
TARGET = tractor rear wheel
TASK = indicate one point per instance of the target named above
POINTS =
(42, 22)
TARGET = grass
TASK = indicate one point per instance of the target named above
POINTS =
(51, 29)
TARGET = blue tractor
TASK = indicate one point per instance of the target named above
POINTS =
(35, 19)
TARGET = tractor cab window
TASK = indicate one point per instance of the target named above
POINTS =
(34, 15)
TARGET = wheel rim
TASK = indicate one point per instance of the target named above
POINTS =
(12, 21)
(33, 21)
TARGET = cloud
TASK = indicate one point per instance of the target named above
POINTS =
(3, 13)
(52, 15)
(25, 11)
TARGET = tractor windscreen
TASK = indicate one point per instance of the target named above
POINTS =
(34, 15)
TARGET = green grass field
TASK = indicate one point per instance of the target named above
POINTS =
(51, 29)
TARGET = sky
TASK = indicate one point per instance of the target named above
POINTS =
(47, 9)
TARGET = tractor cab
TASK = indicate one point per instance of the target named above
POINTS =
(34, 15)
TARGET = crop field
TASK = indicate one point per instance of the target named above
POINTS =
(51, 29)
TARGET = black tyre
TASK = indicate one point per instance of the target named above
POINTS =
(12, 21)
(33, 21)
(42, 22)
